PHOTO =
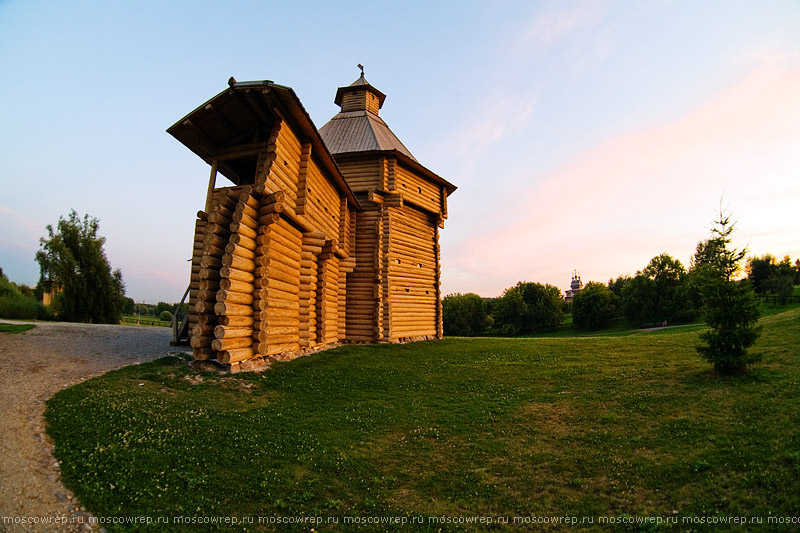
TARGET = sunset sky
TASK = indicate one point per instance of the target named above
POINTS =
(585, 136)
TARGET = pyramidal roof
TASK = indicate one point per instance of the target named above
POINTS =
(357, 127)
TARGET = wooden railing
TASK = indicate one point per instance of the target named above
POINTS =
(180, 333)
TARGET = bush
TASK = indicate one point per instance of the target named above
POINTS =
(13, 304)
(463, 314)
(165, 316)
(594, 307)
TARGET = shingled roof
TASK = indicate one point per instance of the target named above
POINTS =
(358, 128)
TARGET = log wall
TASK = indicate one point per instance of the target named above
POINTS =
(268, 271)
(363, 175)
(412, 272)
(423, 193)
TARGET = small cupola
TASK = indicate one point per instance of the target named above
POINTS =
(359, 96)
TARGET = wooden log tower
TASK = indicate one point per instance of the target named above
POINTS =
(306, 249)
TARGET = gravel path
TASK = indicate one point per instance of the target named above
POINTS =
(33, 366)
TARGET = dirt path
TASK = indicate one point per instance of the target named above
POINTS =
(33, 366)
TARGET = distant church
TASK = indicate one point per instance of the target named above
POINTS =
(325, 236)
(574, 287)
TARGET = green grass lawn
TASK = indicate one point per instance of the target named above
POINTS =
(586, 427)
(15, 328)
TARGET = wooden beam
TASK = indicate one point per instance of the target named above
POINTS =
(251, 100)
(242, 150)
(232, 131)
(212, 181)
(202, 137)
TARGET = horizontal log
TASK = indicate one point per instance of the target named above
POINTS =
(203, 354)
(203, 330)
(234, 297)
(241, 251)
(208, 285)
(237, 262)
(289, 241)
(236, 285)
(230, 309)
(267, 220)
(269, 199)
(244, 220)
(223, 210)
(245, 230)
(206, 296)
(232, 343)
(237, 321)
(201, 341)
(277, 321)
(235, 355)
(210, 262)
(243, 241)
(237, 274)
(250, 211)
(227, 332)
(203, 307)
(277, 300)
(275, 339)
(209, 273)
(279, 251)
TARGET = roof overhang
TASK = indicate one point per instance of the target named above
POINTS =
(228, 123)
(405, 161)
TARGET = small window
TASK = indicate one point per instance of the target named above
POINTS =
(398, 261)
(419, 190)
(408, 290)
(419, 265)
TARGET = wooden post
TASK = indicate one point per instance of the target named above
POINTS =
(212, 181)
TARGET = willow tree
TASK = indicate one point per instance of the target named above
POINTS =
(72, 260)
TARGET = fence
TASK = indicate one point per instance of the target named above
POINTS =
(145, 321)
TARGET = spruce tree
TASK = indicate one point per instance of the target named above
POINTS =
(730, 306)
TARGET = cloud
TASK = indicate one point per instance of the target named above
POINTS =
(552, 27)
(611, 208)
(506, 114)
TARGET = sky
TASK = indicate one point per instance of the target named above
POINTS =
(586, 135)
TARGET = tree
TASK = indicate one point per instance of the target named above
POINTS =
(463, 314)
(639, 302)
(618, 285)
(730, 306)
(594, 307)
(759, 270)
(128, 306)
(509, 312)
(72, 258)
(165, 316)
(529, 308)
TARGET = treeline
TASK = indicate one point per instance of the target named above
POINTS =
(19, 301)
(663, 292)
(162, 310)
